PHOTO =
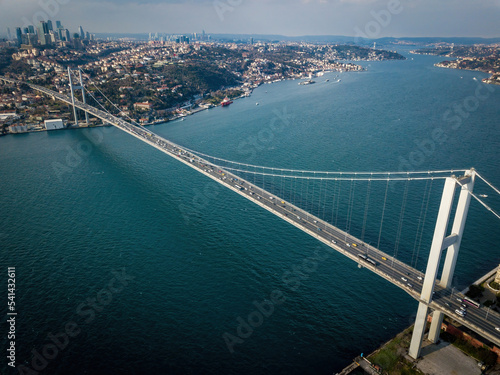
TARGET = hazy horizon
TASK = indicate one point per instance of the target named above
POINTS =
(293, 18)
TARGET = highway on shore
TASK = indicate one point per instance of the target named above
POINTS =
(480, 320)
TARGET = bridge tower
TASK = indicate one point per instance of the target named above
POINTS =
(440, 242)
(73, 88)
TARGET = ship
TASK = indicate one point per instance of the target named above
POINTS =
(308, 82)
(226, 102)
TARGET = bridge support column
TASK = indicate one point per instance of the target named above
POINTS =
(432, 266)
(435, 328)
(418, 331)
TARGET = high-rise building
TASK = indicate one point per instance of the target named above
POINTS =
(87, 35)
(19, 36)
(67, 35)
(31, 29)
(80, 31)
(59, 25)
(43, 33)
(26, 30)
(9, 37)
(49, 25)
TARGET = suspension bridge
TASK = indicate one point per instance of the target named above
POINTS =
(320, 203)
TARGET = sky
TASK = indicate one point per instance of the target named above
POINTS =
(368, 18)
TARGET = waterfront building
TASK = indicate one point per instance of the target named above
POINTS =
(54, 124)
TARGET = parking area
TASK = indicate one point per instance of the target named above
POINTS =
(444, 358)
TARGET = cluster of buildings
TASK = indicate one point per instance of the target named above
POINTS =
(194, 37)
(141, 79)
(46, 33)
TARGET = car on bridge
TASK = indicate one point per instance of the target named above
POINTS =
(462, 313)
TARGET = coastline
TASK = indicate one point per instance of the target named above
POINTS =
(180, 117)
(364, 362)
(491, 80)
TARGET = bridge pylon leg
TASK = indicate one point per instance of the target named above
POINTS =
(418, 331)
(432, 266)
(83, 96)
(435, 328)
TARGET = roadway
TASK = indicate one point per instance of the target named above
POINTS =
(480, 320)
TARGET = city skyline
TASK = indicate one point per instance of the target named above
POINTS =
(366, 18)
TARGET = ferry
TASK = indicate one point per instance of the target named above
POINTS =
(226, 102)
(308, 82)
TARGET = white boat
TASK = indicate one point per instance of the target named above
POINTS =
(483, 195)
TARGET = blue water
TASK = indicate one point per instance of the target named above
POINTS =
(198, 255)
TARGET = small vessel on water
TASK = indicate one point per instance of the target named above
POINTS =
(483, 195)
(308, 82)
(226, 102)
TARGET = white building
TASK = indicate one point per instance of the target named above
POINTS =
(5, 115)
(54, 124)
(18, 128)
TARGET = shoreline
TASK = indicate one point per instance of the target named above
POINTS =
(356, 362)
(180, 117)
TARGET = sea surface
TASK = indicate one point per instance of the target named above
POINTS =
(129, 262)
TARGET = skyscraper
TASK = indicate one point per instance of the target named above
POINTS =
(19, 36)
(49, 25)
(59, 25)
(43, 31)
(31, 29)
(9, 37)
(66, 35)
(80, 31)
